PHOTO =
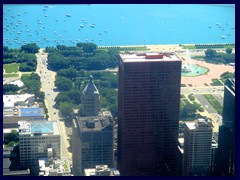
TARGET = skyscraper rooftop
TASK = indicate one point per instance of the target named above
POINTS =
(145, 57)
(38, 127)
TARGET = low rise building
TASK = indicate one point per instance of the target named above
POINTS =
(11, 116)
(101, 170)
(54, 167)
(11, 101)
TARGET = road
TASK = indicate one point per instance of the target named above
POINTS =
(47, 81)
(203, 90)
(205, 103)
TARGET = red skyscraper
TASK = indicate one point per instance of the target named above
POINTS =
(149, 95)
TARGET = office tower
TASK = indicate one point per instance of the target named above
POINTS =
(92, 143)
(197, 148)
(148, 108)
(92, 136)
(225, 160)
(37, 140)
(90, 105)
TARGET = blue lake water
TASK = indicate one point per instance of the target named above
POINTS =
(117, 24)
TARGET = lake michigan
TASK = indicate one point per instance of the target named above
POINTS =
(116, 25)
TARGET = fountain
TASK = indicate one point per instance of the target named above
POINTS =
(189, 69)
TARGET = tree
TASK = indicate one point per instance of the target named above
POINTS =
(68, 73)
(229, 50)
(210, 53)
(56, 62)
(66, 109)
(30, 48)
(63, 84)
(87, 47)
(5, 48)
(191, 97)
(13, 136)
(34, 76)
(62, 97)
(40, 96)
(227, 75)
(7, 88)
(188, 110)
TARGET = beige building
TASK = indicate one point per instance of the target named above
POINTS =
(197, 148)
(37, 140)
(90, 105)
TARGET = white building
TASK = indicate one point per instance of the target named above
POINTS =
(51, 167)
(10, 101)
(197, 148)
(35, 139)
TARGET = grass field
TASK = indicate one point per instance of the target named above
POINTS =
(11, 68)
(9, 75)
(214, 103)
(216, 82)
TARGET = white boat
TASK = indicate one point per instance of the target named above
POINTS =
(68, 15)
(223, 37)
(92, 25)
(81, 25)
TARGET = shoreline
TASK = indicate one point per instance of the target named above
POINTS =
(192, 44)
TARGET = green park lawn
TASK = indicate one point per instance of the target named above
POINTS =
(213, 102)
(10, 75)
(11, 68)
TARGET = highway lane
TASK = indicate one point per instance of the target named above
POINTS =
(205, 103)
(47, 81)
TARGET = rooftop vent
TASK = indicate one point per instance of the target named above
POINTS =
(155, 56)
(91, 124)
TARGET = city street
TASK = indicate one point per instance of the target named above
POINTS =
(203, 90)
(47, 81)
(205, 103)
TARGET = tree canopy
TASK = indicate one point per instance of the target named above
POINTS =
(63, 84)
(10, 88)
(217, 58)
(30, 48)
(87, 47)
(229, 50)
(68, 73)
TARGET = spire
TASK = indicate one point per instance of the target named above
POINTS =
(90, 87)
(90, 78)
